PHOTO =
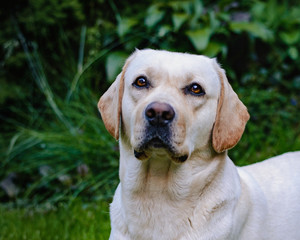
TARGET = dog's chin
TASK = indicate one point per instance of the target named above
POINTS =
(157, 146)
(157, 143)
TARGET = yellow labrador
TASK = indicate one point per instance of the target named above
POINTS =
(175, 116)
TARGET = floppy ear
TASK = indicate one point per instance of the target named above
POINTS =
(110, 104)
(231, 118)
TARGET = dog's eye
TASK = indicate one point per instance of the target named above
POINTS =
(195, 89)
(141, 82)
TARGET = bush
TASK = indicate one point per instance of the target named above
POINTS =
(59, 58)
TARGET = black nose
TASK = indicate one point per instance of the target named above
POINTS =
(159, 114)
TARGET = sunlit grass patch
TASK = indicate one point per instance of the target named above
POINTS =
(75, 221)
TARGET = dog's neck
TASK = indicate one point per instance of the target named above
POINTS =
(159, 173)
(158, 184)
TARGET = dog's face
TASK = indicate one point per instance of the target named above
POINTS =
(173, 103)
(170, 102)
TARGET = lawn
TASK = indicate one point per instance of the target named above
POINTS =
(74, 221)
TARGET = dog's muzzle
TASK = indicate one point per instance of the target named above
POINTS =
(159, 117)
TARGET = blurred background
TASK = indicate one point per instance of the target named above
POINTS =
(58, 164)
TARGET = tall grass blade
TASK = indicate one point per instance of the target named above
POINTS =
(79, 74)
(39, 76)
(81, 49)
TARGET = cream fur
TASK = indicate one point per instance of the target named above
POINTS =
(206, 196)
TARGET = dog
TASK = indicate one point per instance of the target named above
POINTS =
(175, 116)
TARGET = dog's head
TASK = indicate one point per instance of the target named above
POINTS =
(173, 103)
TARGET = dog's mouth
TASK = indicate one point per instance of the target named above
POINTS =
(157, 143)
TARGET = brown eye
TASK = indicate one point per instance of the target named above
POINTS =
(141, 82)
(195, 89)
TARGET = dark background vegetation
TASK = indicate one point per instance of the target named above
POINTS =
(58, 57)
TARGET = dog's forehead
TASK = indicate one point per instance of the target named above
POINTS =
(171, 64)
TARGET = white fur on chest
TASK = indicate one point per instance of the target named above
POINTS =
(172, 202)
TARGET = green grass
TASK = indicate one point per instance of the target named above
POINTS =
(75, 221)
(61, 132)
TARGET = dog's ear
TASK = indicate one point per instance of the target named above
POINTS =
(231, 118)
(110, 104)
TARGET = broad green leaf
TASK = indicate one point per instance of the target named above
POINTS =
(256, 29)
(295, 15)
(199, 38)
(125, 25)
(258, 9)
(293, 53)
(213, 48)
(214, 22)
(163, 30)
(198, 7)
(154, 15)
(179, 19)
(290, 37)
(114, 63)
(181, 6)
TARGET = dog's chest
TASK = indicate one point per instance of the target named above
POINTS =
(153, 219)
(158, 218)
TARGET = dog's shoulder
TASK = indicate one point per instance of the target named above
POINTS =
(277, 178)
(281, 164)
(271, 189)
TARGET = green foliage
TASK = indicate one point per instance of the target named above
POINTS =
(58, 57)
(66, 137)
(77, 221)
